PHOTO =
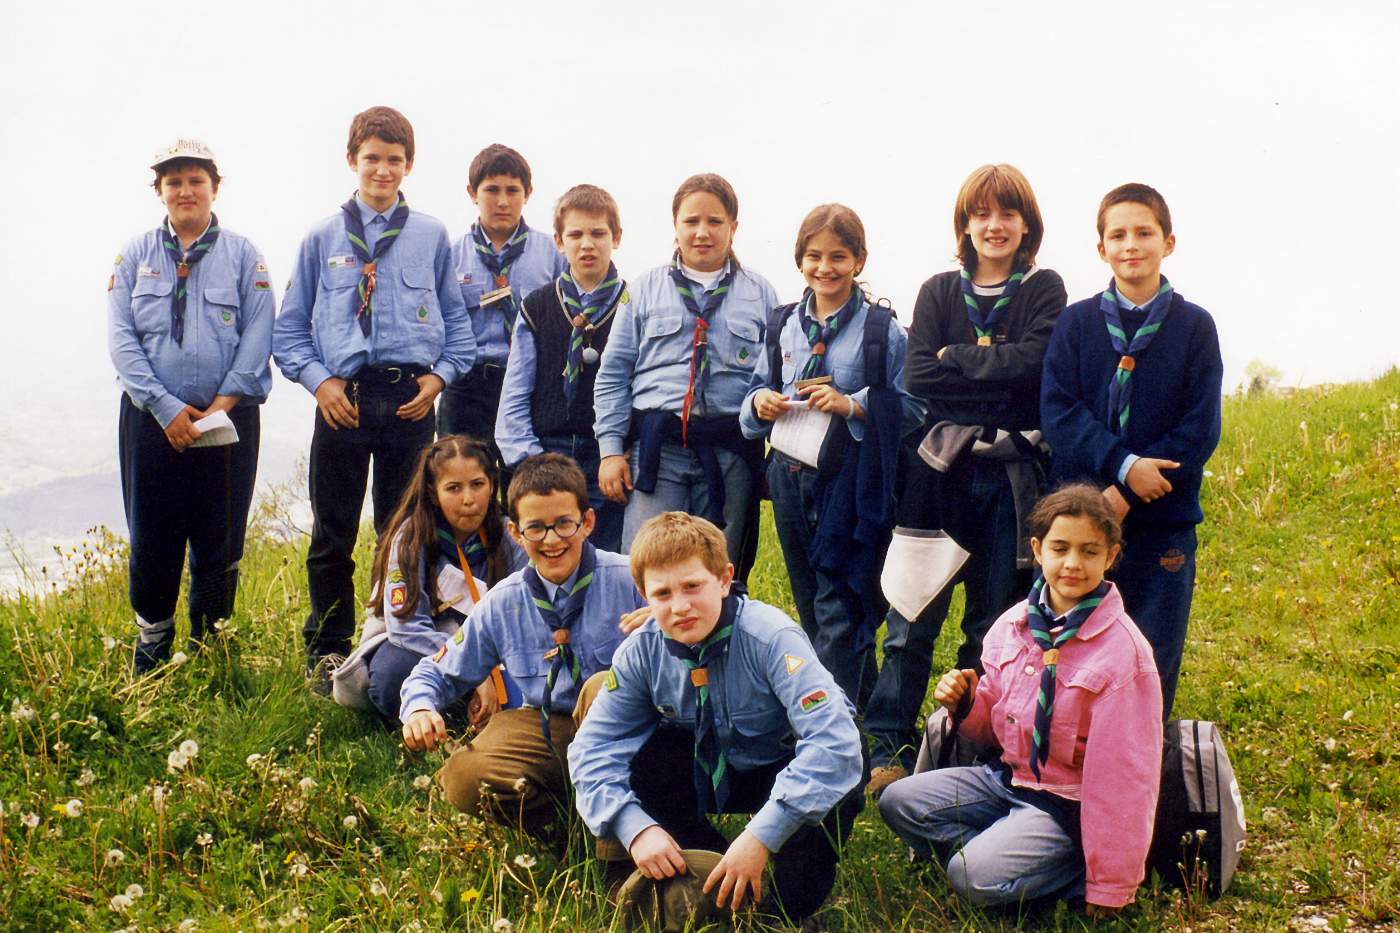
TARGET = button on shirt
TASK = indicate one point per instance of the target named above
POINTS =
(535, 268)
(845, 363)
(418, 319)
(646, 365)
(767, 689)
(506, 628)
(228, 325)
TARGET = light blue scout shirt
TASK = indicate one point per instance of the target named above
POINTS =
(418, 313)
(845, 363)
(536, 267)
(515, 426)
(228, 326)
(767, 687)
(417, 632)
(506, 628)
(646, 364)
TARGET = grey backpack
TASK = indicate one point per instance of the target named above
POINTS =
(1200, 828)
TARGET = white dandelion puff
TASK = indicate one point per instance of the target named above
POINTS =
(134, 891)
(189, 748)
(86, 779)
(119, 902)
(376, 887)
(115, 857)
(422, 782)
(525, 861)
(350, 822)
(178, 658)
(30, 820)
(73, 809)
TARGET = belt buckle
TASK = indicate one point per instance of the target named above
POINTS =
(398, 374)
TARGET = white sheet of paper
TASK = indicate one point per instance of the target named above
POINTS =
(799, 433)
(215, 430)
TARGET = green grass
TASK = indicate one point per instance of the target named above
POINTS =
(1294, 650)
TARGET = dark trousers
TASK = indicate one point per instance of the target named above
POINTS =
(607, 532)
(340, 461)
(389, 667)
(979, 511)
(804, 869)
(197, 499)
(830, 610)
(1156, 575)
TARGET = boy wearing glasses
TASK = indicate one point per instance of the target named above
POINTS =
(551, 626)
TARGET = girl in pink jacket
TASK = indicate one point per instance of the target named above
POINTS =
(1072, 698)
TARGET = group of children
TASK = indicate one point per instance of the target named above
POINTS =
(619, 418)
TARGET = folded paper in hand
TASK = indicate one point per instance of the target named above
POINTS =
(918, 565)
(799, 432)
(215, 430)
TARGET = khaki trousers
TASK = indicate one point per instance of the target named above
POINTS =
(509, 775)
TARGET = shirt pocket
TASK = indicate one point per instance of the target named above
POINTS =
(742, 341)
(1075, 693)
(150, 304)
(661, 326)
(471, 296)
(848, 379)
(528, 669)
(420, 298)
(341, 277)
(221, 306)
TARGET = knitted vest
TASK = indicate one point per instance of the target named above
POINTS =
(551, 330)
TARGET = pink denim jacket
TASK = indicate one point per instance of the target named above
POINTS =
(1105, 734)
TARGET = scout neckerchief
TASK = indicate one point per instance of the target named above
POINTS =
(819, 335)
(560, 622)
(1050, 646)
(711, 768)
(471, 557)
(498, 264)
(184, 258)
(699, 343)
(1120, 387)
(985, 324)
(583, 317)
(369, 265)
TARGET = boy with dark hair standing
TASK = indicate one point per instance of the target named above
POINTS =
(547, 400)
(552, 626)
(1131, 401)
(373, 325)
(718, 704)
(498, 262)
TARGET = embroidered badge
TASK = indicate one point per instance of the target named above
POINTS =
(398, 595)
(147, 272)
(1173, 560)
(111, 280)
(464, 279)
(793, 663)
(227, 316)
(118, 260)
(787, 357)
(437, 656)
(610, 681)
(460, 636)
(422, 312)
(341, 262)
(261, 267)
(396, 576)
(624, 299)
(813, 700)
(744, 356)
(261, 285)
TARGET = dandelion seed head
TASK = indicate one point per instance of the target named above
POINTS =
(253, 760)
(1346, 717)
(175, 762)
(520, 785)
(525, 861)
(73, 809)
(30, 820)
(178, 658)
(502, 925)
(1330, 744)
(188, 925)
(115, 857)
(108, 642)
(376, 887)
(86, 779)
(134, 891)
(204, 840)
(350, 822)
(189, 748)
(119, 902)
(422, 782)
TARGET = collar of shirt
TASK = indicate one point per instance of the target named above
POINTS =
(562, 589)
(1127, 305)
(181, 243)
(1057, 621)
(369, 215)
(705, 280)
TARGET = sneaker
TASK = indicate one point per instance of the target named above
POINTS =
(147, 657)
(318, 672)
(883, 777)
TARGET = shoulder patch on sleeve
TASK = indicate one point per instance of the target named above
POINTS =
(261, 267)
(396, 576)
(611, 680)
(794, 663)
(398, 595)
(438, 655)
(111, 281)
(813, 700)
(461, 635)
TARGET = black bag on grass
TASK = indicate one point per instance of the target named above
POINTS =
(1200, 828)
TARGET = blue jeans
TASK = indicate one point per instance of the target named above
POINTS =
(983, 521)
(1156, 576)
(607, 532)
(389, 667)
(680, 487)
(996, 849)
(830, 611)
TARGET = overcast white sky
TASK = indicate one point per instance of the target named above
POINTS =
(1270, 128)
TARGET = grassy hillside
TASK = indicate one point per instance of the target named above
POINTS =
(297, 814)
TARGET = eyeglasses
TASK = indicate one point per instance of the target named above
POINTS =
(536, 532)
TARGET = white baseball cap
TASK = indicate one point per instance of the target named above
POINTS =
(182, 149)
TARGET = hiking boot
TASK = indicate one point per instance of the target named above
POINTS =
(147, 656)
(319, 669)
(883, 777)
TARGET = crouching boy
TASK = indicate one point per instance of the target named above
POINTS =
(718, 705)
(551, 626)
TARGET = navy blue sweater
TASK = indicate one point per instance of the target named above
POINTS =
(1175, 404)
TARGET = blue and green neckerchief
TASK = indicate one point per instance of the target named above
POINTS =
(498, 264)
(1050, 647)
(711, 767)
(985, 324)
(560, 622)
(184, 259)
(820, 335)
(582, 317)
(1120, 387)
(369, 264)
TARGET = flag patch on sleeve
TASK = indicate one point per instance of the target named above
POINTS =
(813, 700)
